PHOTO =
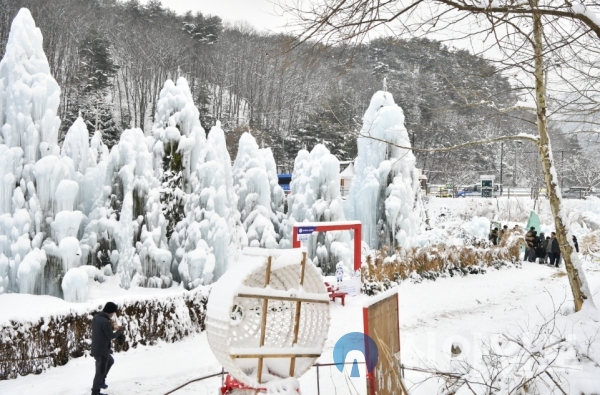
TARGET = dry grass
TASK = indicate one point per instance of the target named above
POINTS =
(437, 260)
(590, 245)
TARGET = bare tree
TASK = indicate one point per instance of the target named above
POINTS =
(521, 36)
(585, 171)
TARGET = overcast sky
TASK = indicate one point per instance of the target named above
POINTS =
(262, 14)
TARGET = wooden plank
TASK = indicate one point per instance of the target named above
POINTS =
(261, 356)
(297, 316)
(287, 298)
(382, 325)
(263, 323)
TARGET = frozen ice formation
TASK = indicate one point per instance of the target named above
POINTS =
(260, 198)
(315, 197)
(385, 193)
(208, 237)
(170, 207)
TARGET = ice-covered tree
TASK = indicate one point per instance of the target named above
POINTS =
(315, 197)
(277, 194)
(209, 235)
(29, 99)
(385, 193)
(178, 139)
(140, 236)
(254, 178)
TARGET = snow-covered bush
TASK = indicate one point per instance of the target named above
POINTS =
(440, 260)
(556, 355)
(315, 197)
(385, 193)
(54, 340)
(75, 285)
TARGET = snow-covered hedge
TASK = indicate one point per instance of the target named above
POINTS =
(32, 347)
(383, 272)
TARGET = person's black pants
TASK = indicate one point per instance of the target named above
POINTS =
(103, 365)
(555, 259)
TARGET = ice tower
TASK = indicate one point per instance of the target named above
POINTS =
(385, 194)
(29, 99)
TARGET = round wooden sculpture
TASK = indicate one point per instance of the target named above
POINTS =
(268, 316)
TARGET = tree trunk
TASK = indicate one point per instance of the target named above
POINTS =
(577, 280)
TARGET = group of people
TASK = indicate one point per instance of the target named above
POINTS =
(544, 248)
(496, 235)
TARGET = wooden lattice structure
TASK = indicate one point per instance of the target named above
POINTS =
(268, 316)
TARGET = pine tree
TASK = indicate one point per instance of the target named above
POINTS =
(94, 76)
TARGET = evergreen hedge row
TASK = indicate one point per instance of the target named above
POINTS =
(32, 347)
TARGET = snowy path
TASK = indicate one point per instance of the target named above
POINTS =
(433, 316)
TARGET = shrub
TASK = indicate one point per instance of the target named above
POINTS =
(32, 347)
(383, 272)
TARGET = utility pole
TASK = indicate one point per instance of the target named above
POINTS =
(562, 169)
(501, 161)
(520, 143)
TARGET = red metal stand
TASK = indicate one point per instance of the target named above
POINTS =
(232, 384)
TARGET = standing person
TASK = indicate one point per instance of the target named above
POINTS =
(576, 244)
(540, 251)
(548, 245)
(494, 236)
(531, 240)
(102, 334)
(555, 251)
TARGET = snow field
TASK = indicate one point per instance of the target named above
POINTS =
(433, 316)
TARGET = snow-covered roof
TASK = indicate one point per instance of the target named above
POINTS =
(348, 171)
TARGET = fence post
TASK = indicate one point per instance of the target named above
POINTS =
(318, 380)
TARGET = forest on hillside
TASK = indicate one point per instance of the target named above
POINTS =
(111, 59)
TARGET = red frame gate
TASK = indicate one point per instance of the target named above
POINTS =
(307, 228)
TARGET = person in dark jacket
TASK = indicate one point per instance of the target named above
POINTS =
(102, 335)
(540, 251)
(548, 245)
(555, 260)
(576, 243)
(531, 240)
(493, 237)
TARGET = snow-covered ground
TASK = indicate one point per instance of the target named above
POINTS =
(433, 315)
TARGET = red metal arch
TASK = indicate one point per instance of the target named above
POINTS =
(306, 228)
